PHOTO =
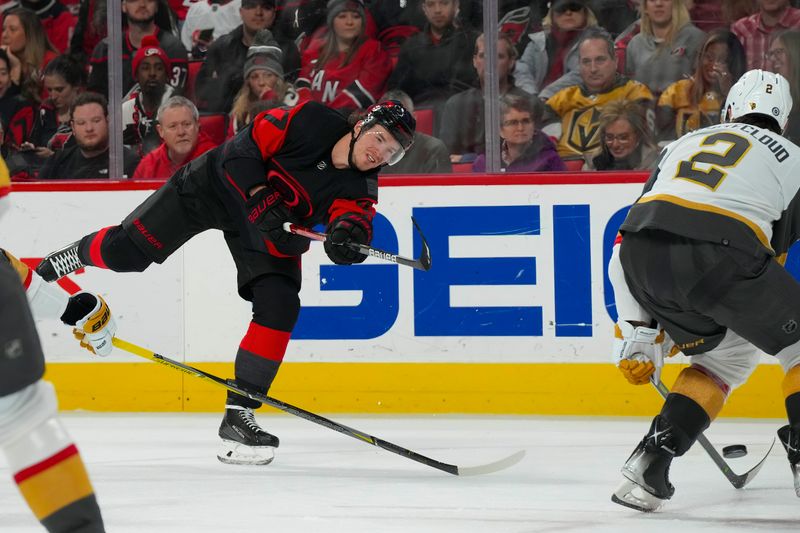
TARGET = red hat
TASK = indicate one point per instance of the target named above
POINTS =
(150, 47)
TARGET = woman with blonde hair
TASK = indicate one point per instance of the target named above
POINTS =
(29, 50)
(263, 80)
(625, 139)
(783, 58)
(695, 103)
(664, 50)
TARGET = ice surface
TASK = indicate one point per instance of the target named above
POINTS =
(159, 473)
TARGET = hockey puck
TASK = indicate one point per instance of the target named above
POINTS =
(734, 450)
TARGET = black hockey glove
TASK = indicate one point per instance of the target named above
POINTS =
(266, 211)
(350, 227)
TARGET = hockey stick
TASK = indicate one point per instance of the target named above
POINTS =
(423, 263)
(322, 421)
(737, 480)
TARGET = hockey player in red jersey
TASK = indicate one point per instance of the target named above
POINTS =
(305, 165)
(46, 464)
(701, 256)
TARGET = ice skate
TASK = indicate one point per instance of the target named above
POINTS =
(60, 263)
(243, 440)
(790, 438)
(646, 486)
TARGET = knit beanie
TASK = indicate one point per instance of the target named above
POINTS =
(264, 54)
(150, 47)
(337, 6)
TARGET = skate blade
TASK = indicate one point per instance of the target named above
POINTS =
(631, 495)
(236, 453)
(796, 476)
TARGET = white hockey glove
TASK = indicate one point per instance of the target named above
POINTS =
(638, 352)
(97, 327)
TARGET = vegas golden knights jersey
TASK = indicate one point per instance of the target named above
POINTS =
(735, 184)
(580, 114)
(688, 116)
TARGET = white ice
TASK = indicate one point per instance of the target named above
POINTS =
(159, 473)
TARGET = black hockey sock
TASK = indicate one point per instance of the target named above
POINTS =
(112, 248)
(687, 418)
(793, 408)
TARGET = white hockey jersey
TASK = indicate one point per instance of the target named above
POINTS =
(735, 184)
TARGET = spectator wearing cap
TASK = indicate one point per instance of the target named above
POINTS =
(88, 157)
(220, 77)
(150, 67)
(756, 30)
(666, 47)
(263, 79)
(350, 70)
(427, 155)
(140, 17)
(553, 51)
(178, 126)
(436, 63)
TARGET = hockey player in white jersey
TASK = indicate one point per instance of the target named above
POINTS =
(701, 256)
(43, 458)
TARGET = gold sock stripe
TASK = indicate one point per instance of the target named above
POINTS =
(791, 381)
(55, 487)
(702, 389)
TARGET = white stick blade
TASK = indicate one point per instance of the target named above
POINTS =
(496, 466)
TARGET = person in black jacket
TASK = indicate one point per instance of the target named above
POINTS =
(220, 77)
(306, 164)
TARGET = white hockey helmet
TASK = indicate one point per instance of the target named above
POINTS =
(759, 91)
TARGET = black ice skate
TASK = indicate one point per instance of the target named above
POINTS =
(60, 263)
(790, 438)
(243, 440)
(646, 486)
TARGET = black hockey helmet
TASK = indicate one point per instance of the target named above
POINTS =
(395, 118)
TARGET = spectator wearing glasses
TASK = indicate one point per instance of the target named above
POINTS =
(88, 157)
(695, 103)
(578, 107)
(626, 142)
(524, 148)
(461, 127)
(756, 30)
(784, 59)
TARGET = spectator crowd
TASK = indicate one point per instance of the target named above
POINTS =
(583, 84)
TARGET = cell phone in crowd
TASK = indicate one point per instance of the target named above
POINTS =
(206, 35)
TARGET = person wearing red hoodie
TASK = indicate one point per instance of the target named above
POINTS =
(178, 125)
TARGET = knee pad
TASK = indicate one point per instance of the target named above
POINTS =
(276, 303)
(117, 250)
(29, 428)
(731, 362)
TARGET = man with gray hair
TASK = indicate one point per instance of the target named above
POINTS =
(178, 125)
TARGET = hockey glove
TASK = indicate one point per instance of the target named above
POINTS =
(637, 352)
(349, 227)
(267, 211)
(94, 324)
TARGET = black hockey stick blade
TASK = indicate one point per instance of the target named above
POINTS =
(321, 420)
(737, 480)
(423, 263)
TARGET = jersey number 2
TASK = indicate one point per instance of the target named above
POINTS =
(711, 178)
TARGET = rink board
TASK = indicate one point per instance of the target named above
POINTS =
(515, 316)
